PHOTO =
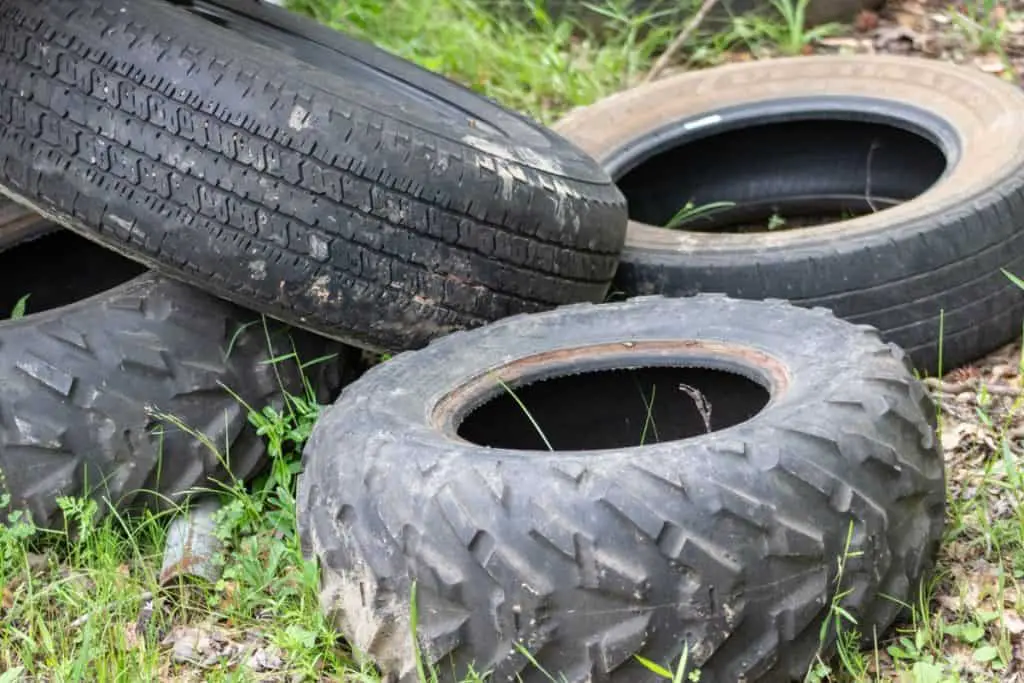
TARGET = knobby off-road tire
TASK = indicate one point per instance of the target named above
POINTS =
(354, 203)
(105, 352)
(926, 273)
(727, 541)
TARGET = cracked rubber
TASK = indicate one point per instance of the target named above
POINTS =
(377, 204)
(727, 540)
(926, 273)
(84, 383)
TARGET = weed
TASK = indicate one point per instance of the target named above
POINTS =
(680, 673)
(19, 308)
(97, 609)
(982, 23)
(526, 412)
(690, 213)
(524, 59)
(787, 33)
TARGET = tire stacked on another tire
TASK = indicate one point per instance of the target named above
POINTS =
(927, 154)
(106, 353)
(376, 204)
(360, 205)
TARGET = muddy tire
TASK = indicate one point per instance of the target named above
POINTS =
(104, 351)
(942, 145)
(728, 541)
(358, 203)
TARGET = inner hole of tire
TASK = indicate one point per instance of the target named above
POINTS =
(58, 269)
(614, 409)
(781, 175)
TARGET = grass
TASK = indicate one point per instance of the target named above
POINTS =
(19, 308)
(86, 603)
(530, 63)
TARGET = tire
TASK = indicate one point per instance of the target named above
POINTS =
(104, 351)
(926, 273)
(355, 204)
(605, 549)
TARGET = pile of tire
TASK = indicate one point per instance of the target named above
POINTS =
(564, 484)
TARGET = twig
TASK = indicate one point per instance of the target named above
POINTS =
(701, 402)
(970, 385)
(679, 41)
(867, 181)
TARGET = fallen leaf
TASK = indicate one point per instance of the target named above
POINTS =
(955, 434)
(266, 659)
(1013, 623)
(131, 637)
(898, 39)
(990, 63)
(847, 45)
(189, 644)
(907, 20)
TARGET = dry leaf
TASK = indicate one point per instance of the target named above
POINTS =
(990, 63)
(131, 637)
(898, 39)
(1013, 623)
(955, 434)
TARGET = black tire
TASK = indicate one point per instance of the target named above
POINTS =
(356, 203)
(728, 540)
(104, 351)
(926, 273)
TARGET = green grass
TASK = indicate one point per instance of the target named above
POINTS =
(526, 60)
(19, 308)
(85, 603)
(543, 66)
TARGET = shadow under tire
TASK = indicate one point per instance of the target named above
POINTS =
(355, 203)
(927, 156)
(105, 352)
(721, 535)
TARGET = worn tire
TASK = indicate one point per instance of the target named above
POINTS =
(86, 376)
(727, 540)
(356, 203)
(926, 273)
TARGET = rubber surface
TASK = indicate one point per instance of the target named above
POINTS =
(927, 273)
(85, 384)
(728, 540)
(351, 203)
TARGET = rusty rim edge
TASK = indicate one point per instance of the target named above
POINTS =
(448, 413)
